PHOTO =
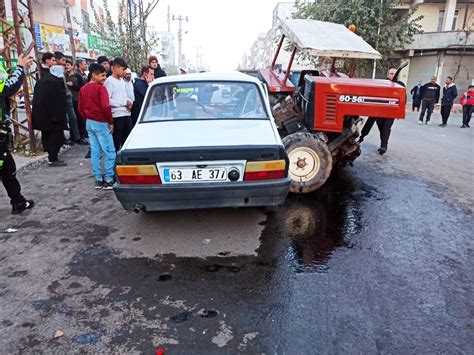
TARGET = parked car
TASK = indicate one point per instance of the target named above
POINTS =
(194, 147)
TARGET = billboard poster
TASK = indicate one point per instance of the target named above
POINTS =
(53, 38)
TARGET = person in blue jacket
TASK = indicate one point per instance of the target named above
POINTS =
(139, 89)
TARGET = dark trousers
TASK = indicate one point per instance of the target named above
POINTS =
(122, 128)
(80, 121)
(427, 104)
(52, 142)
(385, 128)
(367, 127)
(9, 180)
(445, 112)
(466, 114)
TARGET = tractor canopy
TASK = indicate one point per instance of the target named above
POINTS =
(326, 39)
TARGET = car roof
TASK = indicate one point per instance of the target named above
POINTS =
(207, 76)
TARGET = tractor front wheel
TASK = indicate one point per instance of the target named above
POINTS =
(310, 162)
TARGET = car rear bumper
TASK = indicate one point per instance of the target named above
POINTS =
(192, 196)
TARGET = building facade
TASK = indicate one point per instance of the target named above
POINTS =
(52, 28)
(446, 46)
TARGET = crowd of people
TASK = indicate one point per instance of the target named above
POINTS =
(98, 103)
(428, 95)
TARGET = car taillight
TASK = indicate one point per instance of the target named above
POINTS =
(265, 170)
(138, 174)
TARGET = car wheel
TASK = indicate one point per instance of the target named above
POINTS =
(310, 161)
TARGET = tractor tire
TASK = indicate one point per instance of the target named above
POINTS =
(310, 162)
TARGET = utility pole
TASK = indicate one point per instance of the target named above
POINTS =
(180, 36)
(70, 30)
(168, 19)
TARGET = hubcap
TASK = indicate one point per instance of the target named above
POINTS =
(304, 164)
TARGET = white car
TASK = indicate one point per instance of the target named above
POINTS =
(196, 146)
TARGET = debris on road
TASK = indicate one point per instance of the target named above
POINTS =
(58, 334)
(9, 230)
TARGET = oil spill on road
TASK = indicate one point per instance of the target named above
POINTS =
(197, 293)
(310, 227)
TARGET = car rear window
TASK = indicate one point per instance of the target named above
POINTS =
(204, 100)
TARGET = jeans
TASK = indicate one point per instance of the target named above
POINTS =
(72, 120)
(445, 112)
(122, 128)
(100, 140)
(427, 104)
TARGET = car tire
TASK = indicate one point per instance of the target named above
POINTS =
(310, 161)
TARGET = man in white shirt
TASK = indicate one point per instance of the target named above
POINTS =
(119, 102)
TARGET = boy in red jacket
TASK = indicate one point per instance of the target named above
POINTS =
(94, 106)
(467, 102)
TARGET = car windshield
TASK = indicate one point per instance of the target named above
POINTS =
(204, 100)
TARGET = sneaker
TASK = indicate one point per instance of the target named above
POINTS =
(382, 151)
(88, 155)
(81, 142)
(99, 184)
(57, 163)
(442, 125)
(420, 122)
(467, 125)
(18, 208)
(428, 122)
(68, 142)
(108, 185)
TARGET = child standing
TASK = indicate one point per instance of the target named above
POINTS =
(94, 106)
(467, 102)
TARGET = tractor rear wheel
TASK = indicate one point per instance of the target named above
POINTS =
(310, 161)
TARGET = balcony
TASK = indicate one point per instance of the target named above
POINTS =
(441, 40)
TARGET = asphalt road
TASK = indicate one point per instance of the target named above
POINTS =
(379, 261)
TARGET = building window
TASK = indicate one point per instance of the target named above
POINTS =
(441, 20)
(85, 21)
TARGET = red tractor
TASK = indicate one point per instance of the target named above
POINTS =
(318, 117)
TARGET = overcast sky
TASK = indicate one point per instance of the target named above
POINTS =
(223, 29)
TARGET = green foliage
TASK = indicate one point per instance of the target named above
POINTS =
(133, 40)
(379, 22)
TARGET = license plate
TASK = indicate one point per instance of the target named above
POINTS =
(194, 174)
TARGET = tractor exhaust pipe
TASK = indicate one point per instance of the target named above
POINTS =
(138, 208)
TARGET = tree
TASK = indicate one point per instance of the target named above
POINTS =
(379, 22)
(129, 35)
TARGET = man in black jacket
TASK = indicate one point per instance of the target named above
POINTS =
(450, 92)
(49, 110)
(430, 96)
(8, 87)
(139, 89)
(153, 62)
